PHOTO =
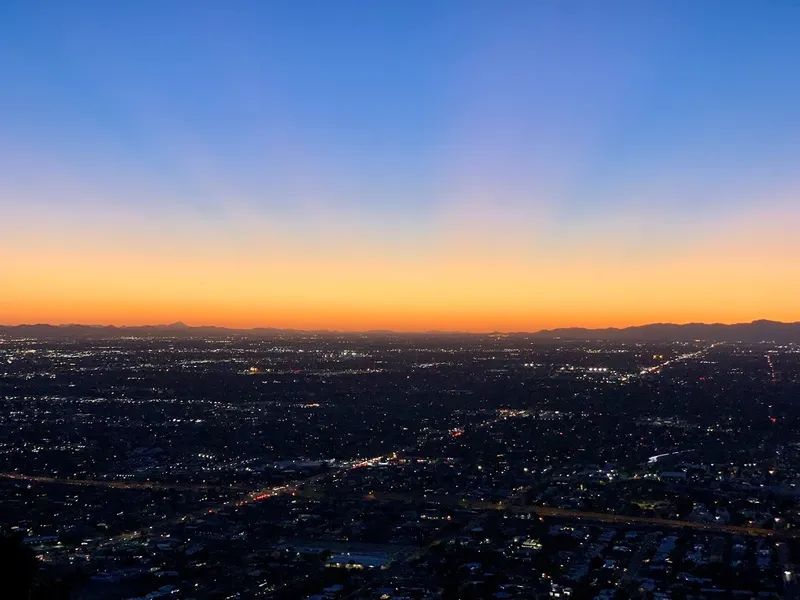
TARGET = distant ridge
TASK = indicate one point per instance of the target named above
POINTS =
(756, 331)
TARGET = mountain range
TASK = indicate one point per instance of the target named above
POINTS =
(755, 331)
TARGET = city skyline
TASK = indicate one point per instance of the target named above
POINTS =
(407, 167)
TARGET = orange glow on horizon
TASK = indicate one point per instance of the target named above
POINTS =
(452, 281)
(403, 296)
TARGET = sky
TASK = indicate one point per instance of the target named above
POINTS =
(404, 164)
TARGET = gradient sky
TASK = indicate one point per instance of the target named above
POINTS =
(405, 164)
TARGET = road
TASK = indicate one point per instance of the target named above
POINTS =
(568, 513)
(120, 485)
(248, 497)
(772, 373)
(656, 368)
(549, 511)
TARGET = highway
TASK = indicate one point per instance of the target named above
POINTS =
(248, 498)
(565, 513)
(120, 485)
(582, 515)
(657, 368)
(772, 373)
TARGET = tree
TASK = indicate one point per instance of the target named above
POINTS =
(18, 568)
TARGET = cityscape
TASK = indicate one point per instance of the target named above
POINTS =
(366, 466)
(399, 300)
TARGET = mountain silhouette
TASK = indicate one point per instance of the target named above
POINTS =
(756, 331)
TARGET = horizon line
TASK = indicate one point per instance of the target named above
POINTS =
(183, 325)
